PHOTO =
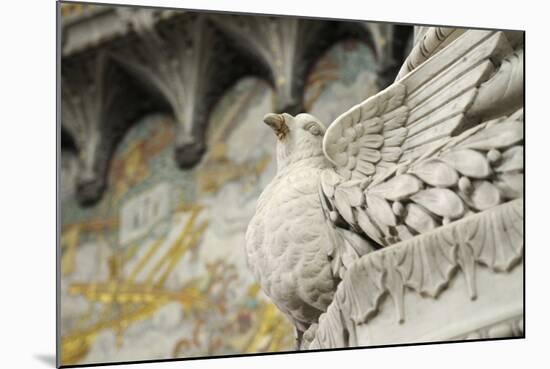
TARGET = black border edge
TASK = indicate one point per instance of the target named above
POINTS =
(58, 184)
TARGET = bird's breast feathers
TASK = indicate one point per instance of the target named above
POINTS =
(286, 243)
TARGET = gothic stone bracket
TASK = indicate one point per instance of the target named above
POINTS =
(188, 63)
(98, 106)
(287, 47)
(183, 62)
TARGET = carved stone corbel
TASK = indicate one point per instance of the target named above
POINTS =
(287, 48)
(97, 107)
(190, 65)
(83, 103)
(184, 62)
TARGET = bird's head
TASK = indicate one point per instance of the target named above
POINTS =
(298, 137)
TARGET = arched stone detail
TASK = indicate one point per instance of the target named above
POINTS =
(188, 63)
(97, 107)
(183, 62)
(287, 47)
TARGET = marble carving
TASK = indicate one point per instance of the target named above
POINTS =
(406, 214)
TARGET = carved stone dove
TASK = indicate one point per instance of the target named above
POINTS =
(288, 240)
(432, 148)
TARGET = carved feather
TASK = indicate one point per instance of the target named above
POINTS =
(416, 143)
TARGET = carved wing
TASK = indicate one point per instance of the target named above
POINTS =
(346, 246)
(442, 142)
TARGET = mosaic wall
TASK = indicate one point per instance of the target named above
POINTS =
(157, 268)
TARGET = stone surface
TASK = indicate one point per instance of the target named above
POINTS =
(435, 287)
(431, 141)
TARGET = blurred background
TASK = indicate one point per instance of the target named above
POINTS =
(163, 155)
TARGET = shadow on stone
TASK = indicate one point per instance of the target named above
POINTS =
(188, 155)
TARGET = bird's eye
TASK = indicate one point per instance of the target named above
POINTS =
(313, 128)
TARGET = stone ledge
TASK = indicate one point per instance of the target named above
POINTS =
(442, 285)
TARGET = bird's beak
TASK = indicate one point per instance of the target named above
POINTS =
(277, 123)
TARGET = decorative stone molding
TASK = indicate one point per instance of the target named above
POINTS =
(97, 107)
(183, 62)
(93, 25)
(508, 328)
(82, 107)
(479, 250)
(287, 47)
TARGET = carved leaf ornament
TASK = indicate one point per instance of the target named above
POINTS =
(425, 264)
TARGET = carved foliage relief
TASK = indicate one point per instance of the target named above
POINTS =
(425, 265)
